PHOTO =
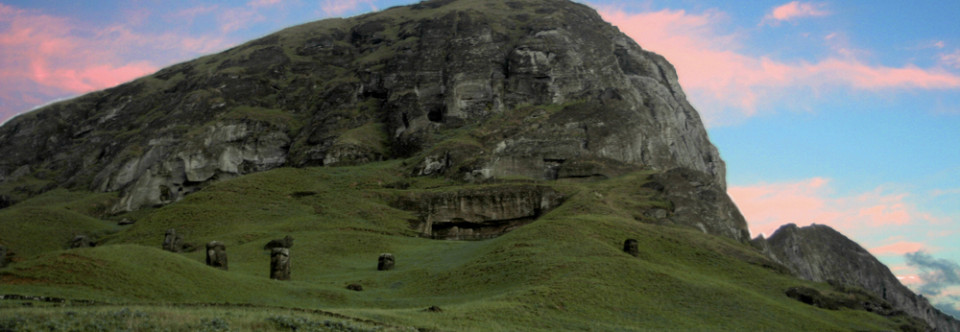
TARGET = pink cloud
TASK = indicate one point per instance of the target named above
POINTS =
(767, 206)
(340, 7)
(44, 57)
(794, 10)
(951, 59)
(899, 248)
(728, 85)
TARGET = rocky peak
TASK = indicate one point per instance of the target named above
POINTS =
(820, 253)
(377, 86)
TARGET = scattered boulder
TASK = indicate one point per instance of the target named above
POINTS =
(280, 264)
(632, 247)
(285, 242)
(81, 241)
(433, 308)
(126, 221)
(5, 201)
(385, 262)
(217, 255)
(355, 287)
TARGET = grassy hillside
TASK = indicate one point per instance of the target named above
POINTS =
(564, 271)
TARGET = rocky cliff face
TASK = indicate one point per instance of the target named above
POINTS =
(819, 253)
(383, 85)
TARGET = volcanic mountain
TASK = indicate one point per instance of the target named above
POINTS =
(532, 127)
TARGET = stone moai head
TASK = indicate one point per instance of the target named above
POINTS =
(217, 255)
(171, 241)
(385, 262)
(632, 247)
(3, 256)
(280, 264)
(80, 241)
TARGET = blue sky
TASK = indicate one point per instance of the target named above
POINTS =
(845, 113)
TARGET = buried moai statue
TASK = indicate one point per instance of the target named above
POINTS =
(3, 256)
(280, 263)
(172, 241)
(385, 262)
(631, 246)
(80, 241)
(217, 255)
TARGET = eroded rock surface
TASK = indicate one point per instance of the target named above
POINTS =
(372, 87)
(699, 202)
(479, 213)
(819, 253)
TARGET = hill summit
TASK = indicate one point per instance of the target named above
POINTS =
(531, 125)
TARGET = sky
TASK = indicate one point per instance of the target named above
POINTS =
(843, 113)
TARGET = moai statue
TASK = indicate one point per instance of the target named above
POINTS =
(217, 255)
(631, 246)
(280, 264)
(385, 262)
(3, 256)
(80, 241)
(172, 241)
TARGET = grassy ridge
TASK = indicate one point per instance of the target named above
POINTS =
(564, 271)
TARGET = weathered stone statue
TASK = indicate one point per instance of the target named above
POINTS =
(280, 264)
(385, 262)
(172, 241)
(3, 256)
(631, 246)
(80, 241)
(285, 242)
(217, 255)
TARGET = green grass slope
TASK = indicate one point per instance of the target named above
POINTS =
(564, 271)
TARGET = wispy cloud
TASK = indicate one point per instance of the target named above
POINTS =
(340, 7)
(951, 59)
(767, 206)
(899, 248)
(794, 10)
(727, 85)
(45, 57)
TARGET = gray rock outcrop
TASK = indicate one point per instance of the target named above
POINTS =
(699, 202)
(480, 213)
(819, 253)
(377, 86)
(172, 241)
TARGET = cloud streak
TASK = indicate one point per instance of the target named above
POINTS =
(794, 10)
(45, 57)
(728, 85)
(767, 206)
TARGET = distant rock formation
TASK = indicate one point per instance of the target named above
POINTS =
(819, 253)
